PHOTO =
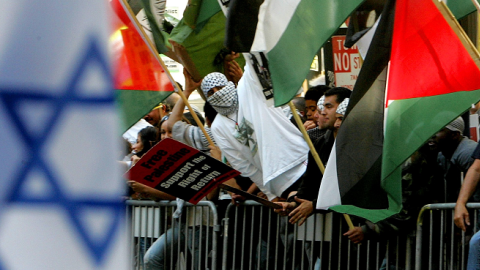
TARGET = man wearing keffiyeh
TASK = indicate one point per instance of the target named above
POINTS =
(246, 128)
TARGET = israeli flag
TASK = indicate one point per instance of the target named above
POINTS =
(60, 195)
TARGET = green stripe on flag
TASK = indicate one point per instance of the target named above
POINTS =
(411, 122)
(312, 24)
(134, 104)
(461, 8)
(394, 193)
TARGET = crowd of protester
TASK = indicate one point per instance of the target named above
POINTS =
(431, 175)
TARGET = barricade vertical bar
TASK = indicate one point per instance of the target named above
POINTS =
(295, 237)
(430, 243)
(268, 237)
(387, 259)
(140, 231)
(340, 244)
(172, 249)
(145, 239)
(200, 236)
(285, 244)
(408, 256)
(132, 235)
(312, 257)
(277, 239)
(377, 257)
(452, 235)
(397, 251)
(260, 239)
(418, 242)
(250, 261)
(303, 246)
(192, 236)
(244, 221)
(235, 238)
(369, 243)
(225, 238)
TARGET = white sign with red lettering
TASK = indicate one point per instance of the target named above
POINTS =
(346, 63)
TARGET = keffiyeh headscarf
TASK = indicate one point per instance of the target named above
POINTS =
(320, 103)
(214, 79)
(342, 107)
(224, 101)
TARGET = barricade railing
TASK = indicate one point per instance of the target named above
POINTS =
(160, 241)
(254, 237)
(439, 243)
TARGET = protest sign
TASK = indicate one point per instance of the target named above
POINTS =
(180, 170)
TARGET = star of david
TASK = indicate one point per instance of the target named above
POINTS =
(34, 142)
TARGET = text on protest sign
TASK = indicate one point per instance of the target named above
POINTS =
(180, 170)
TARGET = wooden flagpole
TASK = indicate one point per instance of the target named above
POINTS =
(154, 51)
(315, 155)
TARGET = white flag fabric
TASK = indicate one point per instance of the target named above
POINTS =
(60, 201)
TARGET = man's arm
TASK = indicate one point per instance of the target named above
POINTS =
(177, 111)
(468, 187)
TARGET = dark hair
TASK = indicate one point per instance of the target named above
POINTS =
(148, 136)
(341, 92)
(210, 112)
(316, 92)
(191, 120)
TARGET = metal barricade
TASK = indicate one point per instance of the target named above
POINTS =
(257, 238)
(188, 242)
(440, 244)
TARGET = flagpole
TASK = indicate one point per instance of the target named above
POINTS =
(314, 153)
(452, 21)
(179, 90)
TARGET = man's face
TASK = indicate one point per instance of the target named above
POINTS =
(311, 108)
(329, 111)
(153, 117)
(440, 139)
(319, 118)
(339, 121)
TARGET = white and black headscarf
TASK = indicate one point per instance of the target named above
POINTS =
(224, 101)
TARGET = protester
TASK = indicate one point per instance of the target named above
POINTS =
(241, 141)
(455, 155)
(462, 217)
(163, 109)
(312, 96)
(300, 205)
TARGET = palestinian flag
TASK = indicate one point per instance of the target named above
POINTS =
(140, 78)
(432, 79)
(290, 33)
(351, 182)
(431, 65)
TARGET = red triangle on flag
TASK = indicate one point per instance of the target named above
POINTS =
(427, 53)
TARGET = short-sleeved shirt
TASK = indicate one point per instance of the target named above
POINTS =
(476, 152)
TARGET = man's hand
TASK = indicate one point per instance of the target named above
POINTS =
(215, 152)
(236, 198)
(355, 235)
(235, 71)
(287, 207)
(461, 216)
(302, 212)
(309, 125)
(134, 159)
(190, 84)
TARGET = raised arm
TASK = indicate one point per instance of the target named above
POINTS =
(179, 107)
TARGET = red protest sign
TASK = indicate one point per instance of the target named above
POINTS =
(180, 170)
